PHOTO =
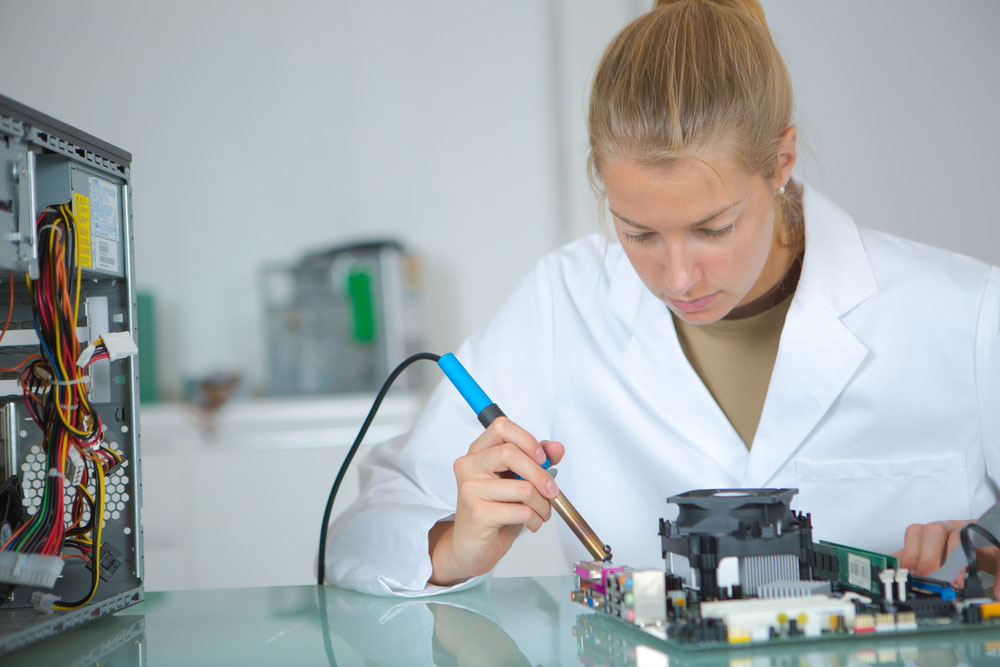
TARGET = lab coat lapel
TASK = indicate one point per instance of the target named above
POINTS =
(818, 354)
(663, 379)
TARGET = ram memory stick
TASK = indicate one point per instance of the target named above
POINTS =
(855, 569)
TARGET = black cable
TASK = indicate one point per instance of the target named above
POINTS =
(324, 627)
(321, 568)
(95, 568)
(970, 551)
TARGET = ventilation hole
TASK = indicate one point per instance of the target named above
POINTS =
(116, 515)
(127, 530)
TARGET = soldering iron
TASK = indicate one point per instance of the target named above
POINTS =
(487, 412)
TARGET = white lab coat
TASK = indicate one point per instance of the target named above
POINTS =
(883, 408)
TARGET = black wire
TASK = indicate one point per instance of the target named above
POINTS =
(321, 568)
(95, 515)
(324, 627)
(970, 551)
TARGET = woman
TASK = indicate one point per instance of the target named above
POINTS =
(744, 332)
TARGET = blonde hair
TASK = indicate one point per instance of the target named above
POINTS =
(690, 76)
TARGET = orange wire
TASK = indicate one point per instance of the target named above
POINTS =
(16, 533)
(27, 359)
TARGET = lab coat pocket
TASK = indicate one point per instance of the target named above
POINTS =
(869, 503)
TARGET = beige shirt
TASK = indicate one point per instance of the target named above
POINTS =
(734, 357)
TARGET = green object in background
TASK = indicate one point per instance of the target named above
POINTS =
(146, 329)
(359, 291)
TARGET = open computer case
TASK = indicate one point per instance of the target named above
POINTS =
(70, 533)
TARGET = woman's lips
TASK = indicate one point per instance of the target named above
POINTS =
(695, 305)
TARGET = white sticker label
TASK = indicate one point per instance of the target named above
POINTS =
(103, 209)
(105, 255)
(859, 571)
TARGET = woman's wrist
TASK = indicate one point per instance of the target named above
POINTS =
(439, 543)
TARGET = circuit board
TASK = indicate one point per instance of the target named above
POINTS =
(789, 589)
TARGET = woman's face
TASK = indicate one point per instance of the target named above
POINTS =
(701, 240)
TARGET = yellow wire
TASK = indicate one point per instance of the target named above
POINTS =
(58, 350)
(77, 390)
(79, 270)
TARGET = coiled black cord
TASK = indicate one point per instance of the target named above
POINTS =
(973, 586)
(321, 568)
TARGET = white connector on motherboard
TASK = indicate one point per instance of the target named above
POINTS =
(753, 619)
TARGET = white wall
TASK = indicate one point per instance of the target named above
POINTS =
(898, 102)
(262, 130)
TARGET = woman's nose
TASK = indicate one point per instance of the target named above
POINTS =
(680, 270)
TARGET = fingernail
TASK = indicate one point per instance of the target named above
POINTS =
(551, 488)
(540, 455)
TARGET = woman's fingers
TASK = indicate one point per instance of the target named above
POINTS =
(502, 431)
(510, 491)
(926, 545)
(502, 458)
(554, 450)
(513, 514)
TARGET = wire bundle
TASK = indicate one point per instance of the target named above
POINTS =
(55, 394)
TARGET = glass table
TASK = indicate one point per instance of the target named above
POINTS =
(516, 621)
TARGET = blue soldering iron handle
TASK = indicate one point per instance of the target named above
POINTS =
(485, 409)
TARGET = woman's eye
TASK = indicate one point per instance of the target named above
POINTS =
(718, 231)
(638, 238)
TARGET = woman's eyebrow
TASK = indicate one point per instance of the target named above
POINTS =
(708, 218)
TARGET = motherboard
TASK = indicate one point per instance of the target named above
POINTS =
(742, 568)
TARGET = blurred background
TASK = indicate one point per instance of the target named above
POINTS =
(267, 135)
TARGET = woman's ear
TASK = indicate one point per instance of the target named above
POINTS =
(786, 158)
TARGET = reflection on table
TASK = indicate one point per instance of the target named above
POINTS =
(519, 621)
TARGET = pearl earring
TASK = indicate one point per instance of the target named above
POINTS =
(781, 190)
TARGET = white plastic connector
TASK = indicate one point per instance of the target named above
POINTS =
(30, 569)
(902, 578)
(75, 467)
(85, 356)
(887, 577)
(120, 345)
(755, 617)
(44, 602)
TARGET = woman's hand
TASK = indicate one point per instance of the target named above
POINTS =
(927, 545)
(492, 504)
